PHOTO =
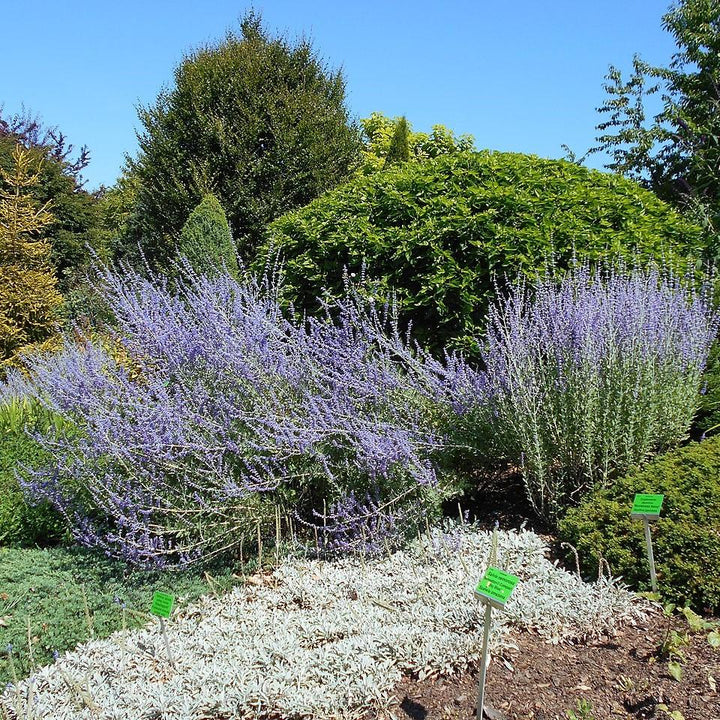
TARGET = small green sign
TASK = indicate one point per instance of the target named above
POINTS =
(646, 506)
(496, 587)
(162, 604)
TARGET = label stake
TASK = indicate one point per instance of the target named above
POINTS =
(494, 590)
(167, 642)
(651, 558)
(162, 604)
(483, 662)
(647, 508)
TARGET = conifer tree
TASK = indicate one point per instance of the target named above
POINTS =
(29, 299)
(256, 119)
(205, 239)
(399, 150)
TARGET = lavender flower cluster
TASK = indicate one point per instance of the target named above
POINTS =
(210, 409)
(212, 412)
(590, 376)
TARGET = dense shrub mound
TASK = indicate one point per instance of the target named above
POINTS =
(437, 231)
(686, 539)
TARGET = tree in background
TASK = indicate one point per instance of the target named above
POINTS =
(676, 153)
(206, 241)
(381, 135)
(29, 299)
(399, 150)
(75, 225)
(257, 121)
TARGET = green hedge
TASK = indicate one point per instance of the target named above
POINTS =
(437, 231)
(686, 538)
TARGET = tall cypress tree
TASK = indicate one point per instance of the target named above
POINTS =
(399, 150)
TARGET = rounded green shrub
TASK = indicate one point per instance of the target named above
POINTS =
(686, 538)
(707, 420)
(438, 232)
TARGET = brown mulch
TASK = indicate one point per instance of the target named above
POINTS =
(623, 676)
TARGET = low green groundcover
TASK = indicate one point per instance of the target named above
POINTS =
(686, 538)
(70, 595)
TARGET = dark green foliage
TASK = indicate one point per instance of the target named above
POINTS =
(399, 150)
(686, 539)
(675, 152)
(205, 240)
(437, 231)
(257, 121)
(50, 588)
(22, 524)
(708, 416)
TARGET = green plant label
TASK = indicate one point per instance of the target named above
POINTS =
(162, 604)
(646, 506)
(496, 587)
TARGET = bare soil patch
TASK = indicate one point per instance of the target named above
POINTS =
(623, 676)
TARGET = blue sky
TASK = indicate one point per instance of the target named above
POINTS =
(522, 75)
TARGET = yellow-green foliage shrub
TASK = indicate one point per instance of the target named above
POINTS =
(29, 299)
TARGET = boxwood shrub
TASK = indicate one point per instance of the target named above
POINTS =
(686, 538)
(437, 231)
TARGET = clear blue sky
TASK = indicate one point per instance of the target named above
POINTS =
(522, 75)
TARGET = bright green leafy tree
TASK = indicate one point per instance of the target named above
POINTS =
(676, 153)
(256, 120)
(381, 134)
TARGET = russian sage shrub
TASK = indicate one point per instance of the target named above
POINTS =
(211, 408)
(591, 375)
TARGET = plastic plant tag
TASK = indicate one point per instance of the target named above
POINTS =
(496, 587)
(647, 507)
(162, 604)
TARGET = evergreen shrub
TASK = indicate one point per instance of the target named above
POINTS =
(205, 240)
(686, 538)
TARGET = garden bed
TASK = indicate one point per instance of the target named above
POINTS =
(326, 639)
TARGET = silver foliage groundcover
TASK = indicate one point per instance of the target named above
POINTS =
(323, 639)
